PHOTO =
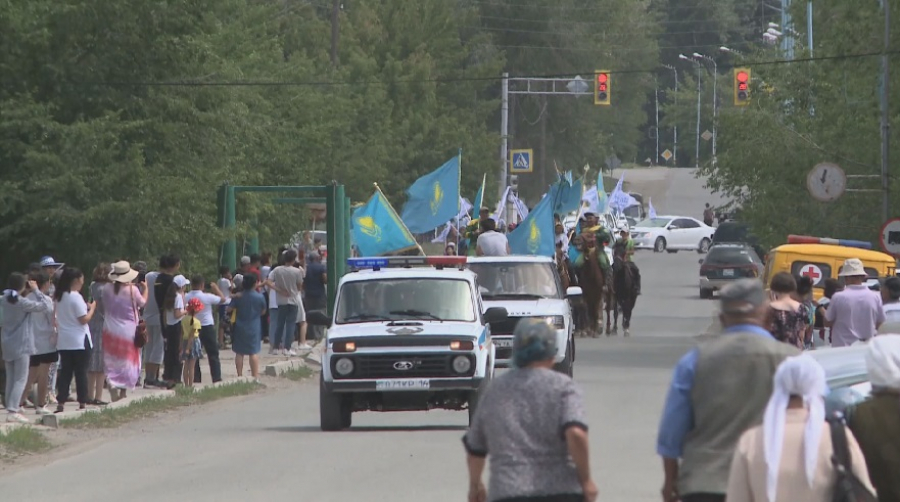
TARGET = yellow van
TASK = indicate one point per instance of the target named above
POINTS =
(824, 261)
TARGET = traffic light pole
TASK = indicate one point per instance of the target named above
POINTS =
(534, 87)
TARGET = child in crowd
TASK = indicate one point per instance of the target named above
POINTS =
(190, 340)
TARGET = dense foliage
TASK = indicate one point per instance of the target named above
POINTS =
(118, 120)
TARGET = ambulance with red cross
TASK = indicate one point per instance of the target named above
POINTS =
(821, 258)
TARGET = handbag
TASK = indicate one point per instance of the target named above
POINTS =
(847, 487)
(140, 331)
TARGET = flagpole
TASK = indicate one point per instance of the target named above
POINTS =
(378, 188)
(587, 167)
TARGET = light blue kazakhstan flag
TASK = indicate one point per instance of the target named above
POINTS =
(566, 195)
(433, 199)
(603, 199)
(377, 230)
(535, 235)
(479, 197)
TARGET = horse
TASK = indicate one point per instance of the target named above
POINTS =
(592, 282)
(624, 286)
(612, 309)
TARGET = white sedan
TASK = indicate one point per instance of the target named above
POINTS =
(672, 233)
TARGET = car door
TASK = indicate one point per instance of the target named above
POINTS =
(679, 233)
(694, 232)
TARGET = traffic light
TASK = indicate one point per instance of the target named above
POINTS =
(741, 86)
(601, 88)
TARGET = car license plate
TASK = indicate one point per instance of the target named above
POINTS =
(503, 342)
(728, 272)
(403, 384)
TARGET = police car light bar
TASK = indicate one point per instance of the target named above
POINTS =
(376, 263)
(806, 239)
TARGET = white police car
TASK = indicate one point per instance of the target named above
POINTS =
(526, 287)
(407, 334)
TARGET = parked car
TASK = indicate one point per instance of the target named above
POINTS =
(672, 233)
(725, 263)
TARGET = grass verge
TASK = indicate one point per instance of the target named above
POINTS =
(114, 417)
(22, 440)
(296, 374)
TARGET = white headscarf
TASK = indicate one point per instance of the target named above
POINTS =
(796, 376)
(883, 361)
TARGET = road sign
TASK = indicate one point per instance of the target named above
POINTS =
(706, 135)
(667, 155)
(890, 237)
(520, 161)
(578, 85)
(826, 182)
(813, 272)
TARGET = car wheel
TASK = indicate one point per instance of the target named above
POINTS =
(704, 246)
(660, 245)
(475, 395)
(332, 414)
(706, 293)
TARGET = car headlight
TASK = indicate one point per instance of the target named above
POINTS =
(461, 364)
(344, 366)
(556, 321)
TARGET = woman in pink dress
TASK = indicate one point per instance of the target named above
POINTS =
(122, 300)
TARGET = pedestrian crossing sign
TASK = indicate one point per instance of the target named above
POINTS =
(520, 161)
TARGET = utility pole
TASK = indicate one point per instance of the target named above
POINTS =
(715, 100)
(335, 30)
(697, 147)
(809, 27)
(504, 135)
(675, 123)
(885, 112)
(657, 123)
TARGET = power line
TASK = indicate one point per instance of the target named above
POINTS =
(262, 83)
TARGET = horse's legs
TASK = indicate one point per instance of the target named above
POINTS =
(626, 315)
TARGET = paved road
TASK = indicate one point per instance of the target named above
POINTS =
(270, 445)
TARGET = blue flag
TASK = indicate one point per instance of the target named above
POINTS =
(652, 209)
(566, 196)
(377, 230)
(433, 199)
(603, 200)
(535, 235)
(479, 197)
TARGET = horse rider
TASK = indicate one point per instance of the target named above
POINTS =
(625, 248)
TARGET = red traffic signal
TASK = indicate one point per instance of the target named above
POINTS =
(601, 88)
(741, 86)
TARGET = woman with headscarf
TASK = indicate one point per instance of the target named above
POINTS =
(876, 422)
(788, 457)
(538, 450)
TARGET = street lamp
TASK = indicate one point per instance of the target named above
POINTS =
(731, 51)
(697, 147)
(674, 123)
(715, 101)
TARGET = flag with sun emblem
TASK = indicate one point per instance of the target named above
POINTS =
(534, 236)
(433, 199)
(377, 229)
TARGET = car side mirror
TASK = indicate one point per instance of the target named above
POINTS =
(700, 261)
(495, 314)
(318, 318)
(573, 291)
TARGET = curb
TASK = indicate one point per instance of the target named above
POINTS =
(276, 369)
(52, 421)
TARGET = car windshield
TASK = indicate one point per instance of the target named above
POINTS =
(511, 280)
(654, 222)
(729, 256)
(403, 299)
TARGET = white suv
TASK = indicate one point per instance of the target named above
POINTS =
(526, 287)
(407, 334)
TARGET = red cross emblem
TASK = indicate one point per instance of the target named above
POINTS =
(812, 272)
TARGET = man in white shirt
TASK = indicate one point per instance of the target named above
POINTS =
(491, 242)
(208, 335)
(287, 281)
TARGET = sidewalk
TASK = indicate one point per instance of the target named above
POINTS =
(269, 365)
